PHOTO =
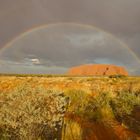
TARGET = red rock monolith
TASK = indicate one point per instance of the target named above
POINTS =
(98, 69)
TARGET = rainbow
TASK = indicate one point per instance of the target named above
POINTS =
(77, 24)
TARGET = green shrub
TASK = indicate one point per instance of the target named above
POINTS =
(117, 76)
(98, 107)
(124, 103)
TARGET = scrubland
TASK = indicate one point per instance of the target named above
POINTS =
(69, 108)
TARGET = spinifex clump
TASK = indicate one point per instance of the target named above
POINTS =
(32, 113)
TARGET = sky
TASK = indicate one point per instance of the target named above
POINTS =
(121, 18)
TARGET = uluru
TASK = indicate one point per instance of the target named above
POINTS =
(98, 70)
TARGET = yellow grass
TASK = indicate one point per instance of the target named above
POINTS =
(92, 99)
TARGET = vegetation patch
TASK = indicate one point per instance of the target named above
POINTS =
(32, 113)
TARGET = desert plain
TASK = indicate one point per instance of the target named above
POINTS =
(49, 107)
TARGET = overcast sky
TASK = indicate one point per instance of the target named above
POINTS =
(118, 17)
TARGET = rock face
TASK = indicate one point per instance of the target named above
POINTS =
(97, 69)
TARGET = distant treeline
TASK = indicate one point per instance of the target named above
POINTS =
(61, 75)
(34, 75)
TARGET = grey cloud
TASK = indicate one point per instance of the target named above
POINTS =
(115, 16)
(67, 45)
(119, 17)
(31, 69)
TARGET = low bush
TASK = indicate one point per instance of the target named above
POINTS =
(124, 103)
(117, 76)
(31, 114)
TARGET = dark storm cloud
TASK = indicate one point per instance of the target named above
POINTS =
(119, 17)
(61, 46)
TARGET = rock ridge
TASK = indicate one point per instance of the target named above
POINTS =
(98, 69)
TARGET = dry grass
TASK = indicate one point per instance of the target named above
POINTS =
(25, 101)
